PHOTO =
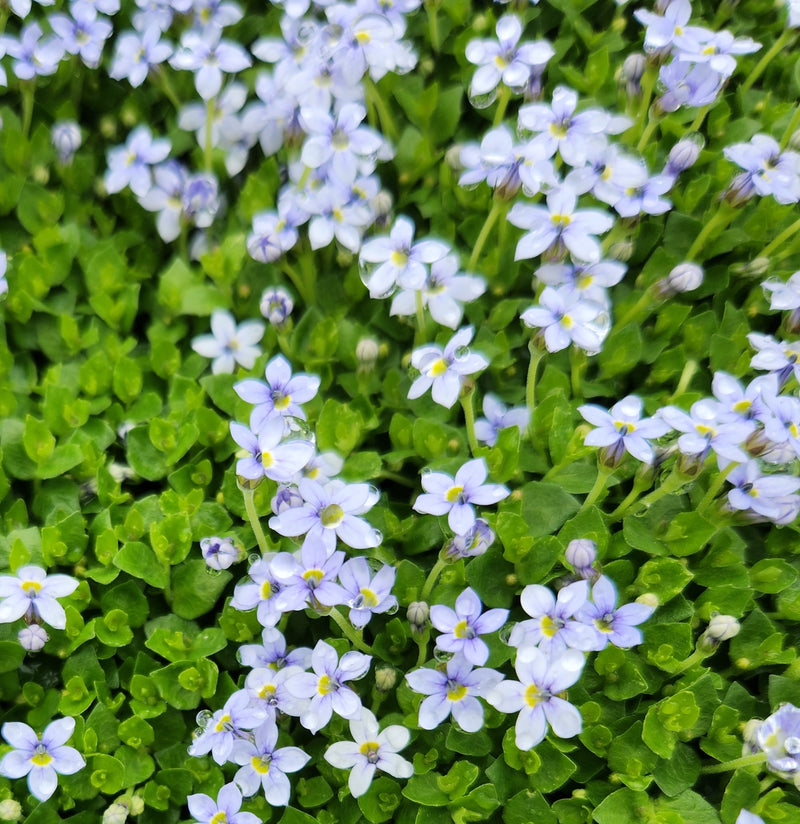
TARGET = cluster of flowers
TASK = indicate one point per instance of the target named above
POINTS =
(777, 739)
(550, 649)
(32, 595)
(700, 60)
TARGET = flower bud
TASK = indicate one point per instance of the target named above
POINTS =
(276, 306)
(621, 250)
(794, 142)
(740, 190)
(720, 628)
(117, 813)
(32, 638)
(685, 277)
(287, 497)
(683, 155)
(418, 612)
(385, 678)
(367, 351)
(219, 553)
(581, 554)
(631, 74)
(10, 810)
(200, 199)
(137, 805)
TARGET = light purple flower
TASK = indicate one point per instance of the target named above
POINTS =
(443, 370)
(463, 626)
(227, 807)
(330, 511)
(129, 165)
(455, 497)
(135, 53)
(454, 691)
(536, 696)
(32, 593)
(200, 201)
(32, 55)
(768, 495)
(229, 344)
(41, 758)
(738, 402)
(612, 624)
(326, 685)
(260, 593)
(703, 431)
(208, 56)
(84, 33)
(367, 594)
(272, 652)
(219, 553)
(767, 169)
(270, 455)
(281, 395)
(554, 626)
(165, 196)
(370, 750)
(503, 60)
(688, 84)
(716, 49)
(276, 306)
(32, 638)
(401, 260)
(226, 726)
(498, 417)
(622, 429)
(310, 579)
(778, 736)
(272, 236)
(473, 542)
(667, 29)
(559, 226)
(268, 689)
(66, 137)
(266, 765)
(566, 316)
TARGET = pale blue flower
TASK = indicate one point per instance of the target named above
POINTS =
(32, 593)
(227, 807)
(461, 628)
(612, 624)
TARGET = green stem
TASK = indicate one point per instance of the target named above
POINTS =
(422, 643)
(530, 386)
(603, 474)
(722, 217)
(639, 486)
(791, 128)
(352, 634)
(422, 332)
(388, 126)
(298, 282)
(729, 766)
(433, 577)
(431, 7)
(689, 369)
(646, 301)
(762, 64)
(613, 236)
(255, 523)
(578, 362)
(469, 419)
(698, 121)
(652, 125)
(503, 99)
(695, 658)
(714, 487)
(498, 208)
(27, 87)
(780, 239)
(672, 482)
(648, 84)
(207, 148)
(166, 87)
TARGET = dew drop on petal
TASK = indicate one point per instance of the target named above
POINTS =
(392, 609)
(505, 631)
(202, 718)
(253, 558)
(442, 656)
(213, 573)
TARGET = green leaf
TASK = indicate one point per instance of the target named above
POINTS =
(461, 776)
(527, 806)
(678, 773)
(692, 807)
(39, 443)
(468, 743)
(545, 507)
(664, 577)
(138, 560)
(624, 807)
(339, 427)
(425, 790)
(175, 645)
(106, 773)
(772, 575)
(380, 801)
(183, 684)
(196, 588)
(11, 656)
(313, 792)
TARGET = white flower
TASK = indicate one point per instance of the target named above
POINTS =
(370, 750)
(230, 344)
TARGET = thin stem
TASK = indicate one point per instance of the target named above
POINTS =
(388, 126)
(698, 121)
(722, 217)
(503, 98)
(298, 282)
(689, 369)
(578, 362)
(208, 146)
(255, 523)
(498, 207)
(27, 87)
(791, 128)
(639, 486)
(762, 64)
(613, 236)
(422, 643)
(781, 238)
(644, 302)
(431, 7)
(530, 386)
(603, 474)
(166, 87)
(695, 658)
(652, 125)
(672, 482)
(469, 419)
(648, 84)
(422, 332)
(433, 577)
(729, 766)
(353, 635)
(714, 487)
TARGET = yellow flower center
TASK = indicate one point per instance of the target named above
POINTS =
(223, 723)
(463, 630)
(532, 695)
(370, 599)
(560, 220)
(313, 577)
(369, 749)
(438, 368)
(260, 763)
(331, 516)
(399, 259)
(549, 627)
(267, 460)
(454, 493)
(41, 759)
(326, 685)
(455, 692)
(282, 401)
(31, 588)
(219, 818)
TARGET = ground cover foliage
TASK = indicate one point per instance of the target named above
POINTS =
(119, 461)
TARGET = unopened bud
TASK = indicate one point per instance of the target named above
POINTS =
(41, 175)
(220, 553)
(794, 142)
(32, 638)
(385, 678)
(621, 250)
(136, 805)
(685, 277)
(720, 628)
(418, 612)
(684, 154)
(367, 351)
(631, 74)
(10, 810)
(276, 306)
(581, 554)
(740, 190)
(117, 813)
(755, 268)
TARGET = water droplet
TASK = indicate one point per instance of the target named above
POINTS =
(296, 429)
(483, 101)
(213, 573)
(505, 631)
(442, 656)
(253, 558)
(378, 537)
(462, 352)
(202, 718)
(374, 494)
(470, 187)
(239, 656)
(392, 609)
